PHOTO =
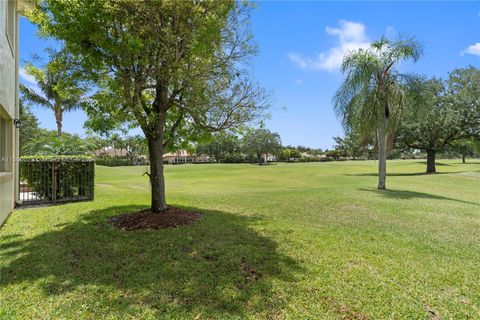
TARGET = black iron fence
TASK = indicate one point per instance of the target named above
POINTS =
(56, 179)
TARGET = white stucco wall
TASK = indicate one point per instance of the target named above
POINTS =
(8, 108)
(7, 66)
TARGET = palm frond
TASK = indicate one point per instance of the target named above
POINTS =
(372, 88)
(32, 96)
(406, 48)
(355, 101)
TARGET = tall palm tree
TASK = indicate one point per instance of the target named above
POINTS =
(370, 98)
(60, 87)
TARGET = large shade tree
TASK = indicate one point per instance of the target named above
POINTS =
(174, 68)
(442, 114)
(58, 86)
(370, 98)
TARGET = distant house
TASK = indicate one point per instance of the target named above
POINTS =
(182, 156)
(9, 112)
(318, 157)
(111, 152)
(269, 157)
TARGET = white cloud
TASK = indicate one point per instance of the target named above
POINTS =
(29, 81)
(25, 77)
(299, 60)
(351, 36)
(473, 49)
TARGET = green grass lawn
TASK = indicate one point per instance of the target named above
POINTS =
(288, 241)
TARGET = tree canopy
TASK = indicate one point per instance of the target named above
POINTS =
(440, 113)
(177, 69)
(223, 146)
(259, 143)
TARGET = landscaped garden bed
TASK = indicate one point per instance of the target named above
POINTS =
(146, 219)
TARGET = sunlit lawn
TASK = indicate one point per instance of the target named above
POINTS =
(297, 241)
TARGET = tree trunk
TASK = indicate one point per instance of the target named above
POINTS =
(59, 119)
(265, 158)
(382, 153)
(157, 180)
(431, 161)
(463, 158)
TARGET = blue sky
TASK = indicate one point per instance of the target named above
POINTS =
(301, 46)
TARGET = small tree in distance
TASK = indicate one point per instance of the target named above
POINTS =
(261, 142)
(222, 146)
(466, 147)
(350, 145)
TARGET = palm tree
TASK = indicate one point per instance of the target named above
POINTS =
(370, 99)
(60, 87)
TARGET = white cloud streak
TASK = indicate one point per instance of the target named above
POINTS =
(351, 36)
(29, 81)
(25, 77)
(473, 49)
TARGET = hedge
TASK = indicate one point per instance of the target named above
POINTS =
(74, 158)
(114, 162)
(58, 178)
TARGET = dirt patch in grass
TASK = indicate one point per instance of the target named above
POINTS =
(146, 219)
(249, 273)
(432, 313)
(344, 311)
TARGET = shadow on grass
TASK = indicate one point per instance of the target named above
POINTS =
(218, 267)
(399, 174)
(407, 195)
(438, 164)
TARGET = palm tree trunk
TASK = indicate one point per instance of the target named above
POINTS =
(59, 119)
(382, 153)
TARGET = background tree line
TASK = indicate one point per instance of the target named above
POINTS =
(436, 117)
(251, 145)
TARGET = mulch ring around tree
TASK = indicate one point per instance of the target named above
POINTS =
(146, 219)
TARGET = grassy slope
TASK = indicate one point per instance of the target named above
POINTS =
(285, 241)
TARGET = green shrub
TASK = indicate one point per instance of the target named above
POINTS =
(114, 162)
(233, 158)
(308, 159)
(58, 178)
